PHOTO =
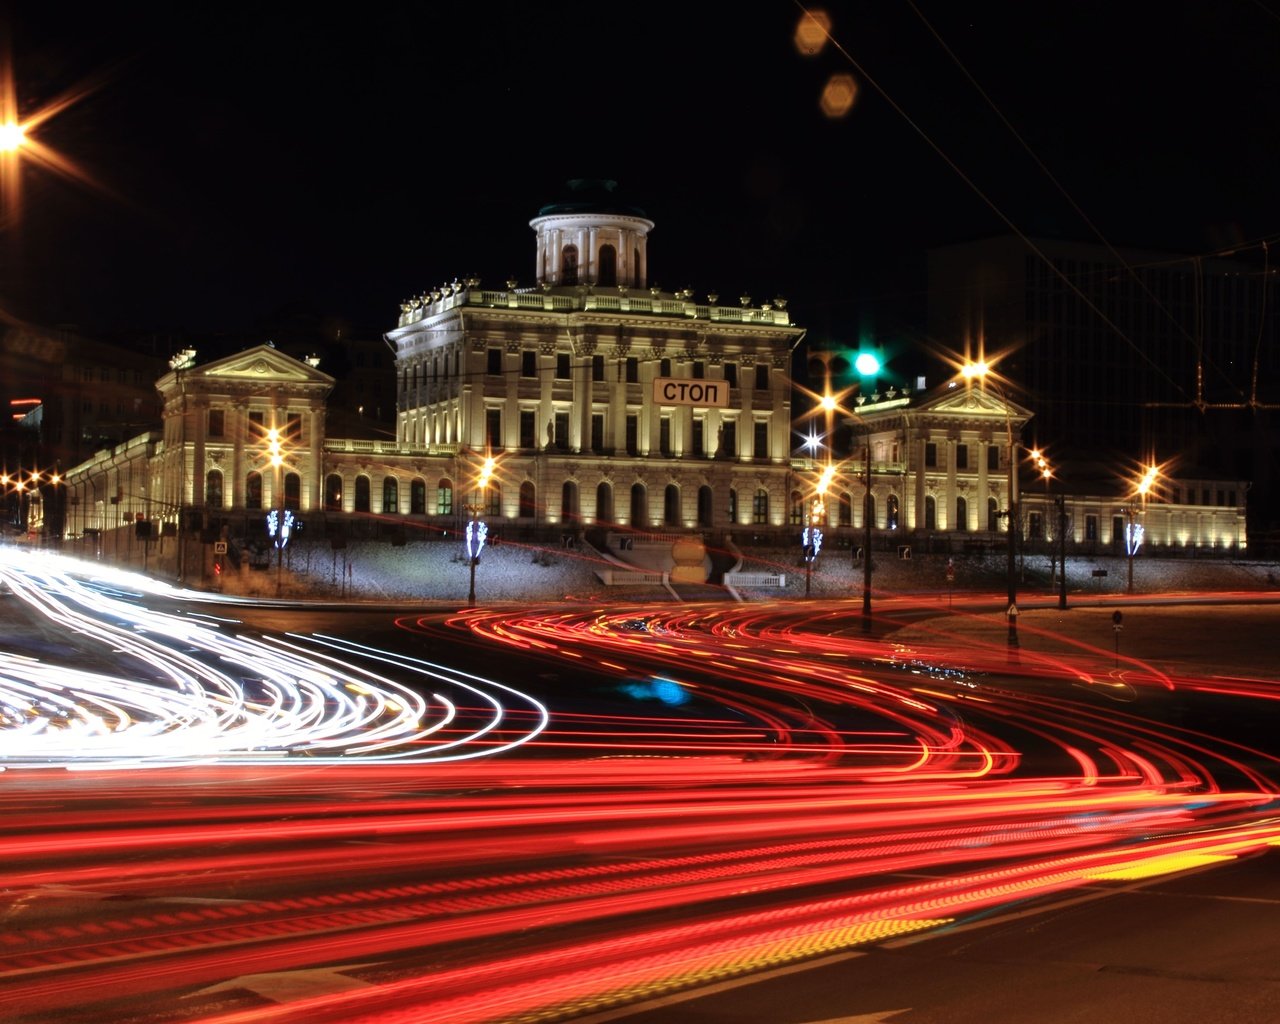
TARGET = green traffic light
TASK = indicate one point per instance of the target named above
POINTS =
(867, 364)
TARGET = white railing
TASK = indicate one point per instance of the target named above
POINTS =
(631, 577)
(368, 447)
(657, 538)
(758, 580)
(562, 302)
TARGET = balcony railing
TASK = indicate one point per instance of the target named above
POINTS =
(560, 301)
(367, 447)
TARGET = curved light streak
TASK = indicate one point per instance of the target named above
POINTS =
(188, 690)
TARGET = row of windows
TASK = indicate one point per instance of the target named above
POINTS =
(839, 514)
(216, 424)
(491, 501)
(962, 456)
(104, 375)
(557, 434)
(1226, 498)
(629, 368)
(122, 408)
(606, 266)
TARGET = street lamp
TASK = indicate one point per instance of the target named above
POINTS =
(981, 372)
(811, 539)
(477, 533)
(1133, 532)
(280, 519)
(1046, 474)
(866, 364)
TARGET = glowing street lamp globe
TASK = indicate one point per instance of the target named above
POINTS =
(12, 137)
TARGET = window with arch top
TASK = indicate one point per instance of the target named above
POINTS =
(608, 265)
(569, 265)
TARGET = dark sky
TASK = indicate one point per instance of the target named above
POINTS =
(255, 162)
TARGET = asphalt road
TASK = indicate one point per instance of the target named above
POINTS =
(1196, 948)
(718, 790)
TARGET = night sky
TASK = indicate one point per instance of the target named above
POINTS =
(250, 164)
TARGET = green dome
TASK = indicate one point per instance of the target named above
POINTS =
(591, 195)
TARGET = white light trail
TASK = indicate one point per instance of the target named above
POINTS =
(180, 689)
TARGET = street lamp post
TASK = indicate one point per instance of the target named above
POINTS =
(867, 365)
(812, 537)
(280, 522)
(477, 532)
(180, 363)
(981, 371)
(1046, 474)
(1062, 550)
(1133, 533)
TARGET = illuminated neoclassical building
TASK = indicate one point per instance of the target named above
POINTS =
(940, 464)
(602, 401)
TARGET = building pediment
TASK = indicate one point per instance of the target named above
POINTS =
(972, 401)
(247, 372)
(263, 363)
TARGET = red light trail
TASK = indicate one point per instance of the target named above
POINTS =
(728, 789)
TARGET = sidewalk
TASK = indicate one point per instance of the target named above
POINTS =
(1207, 640)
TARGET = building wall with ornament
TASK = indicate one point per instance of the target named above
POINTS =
(599, 401)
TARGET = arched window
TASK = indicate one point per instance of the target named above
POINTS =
(733, 505)
(760, 507)
(493, 503)
(993, 515)
(569, 265)
(253, 491)
(213, 489)
(292, 492)
(528, 501)
(795, 513)
(418, 497)
(333, 493)
(930, 512)
(844, 511)
(671, 505)
(604, 503)
(390, 496)
(891, 509)
(639, 507)
(962, 514)
(568, 501)
(362, 494)
(444, 498)
(608, 266)
(706, 505)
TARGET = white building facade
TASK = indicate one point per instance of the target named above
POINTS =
(599, 402)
